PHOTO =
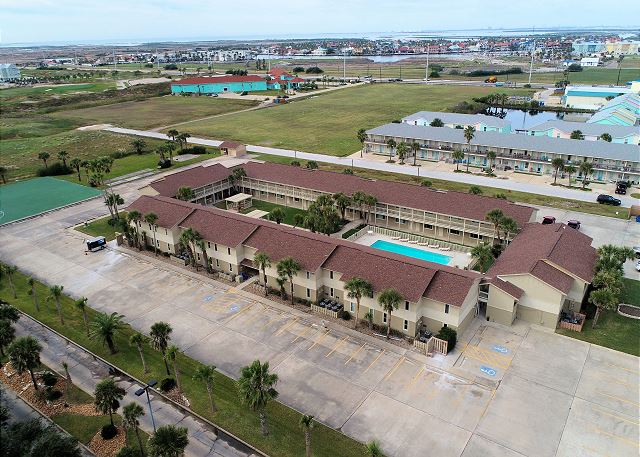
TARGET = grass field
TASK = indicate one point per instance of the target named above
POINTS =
(154, 112)
(328, 123)
(286, 438)
(631, 294)
(26, 198)
(22, 94)
(289, 213)
(100, 227)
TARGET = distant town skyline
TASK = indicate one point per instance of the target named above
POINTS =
(74, 21)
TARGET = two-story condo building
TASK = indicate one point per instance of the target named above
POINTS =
(481, 122)
(621, 134)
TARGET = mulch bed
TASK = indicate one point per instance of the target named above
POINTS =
(108, 448)
(177, 396)
(630, 310)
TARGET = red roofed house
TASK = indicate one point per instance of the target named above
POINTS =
(280, 78)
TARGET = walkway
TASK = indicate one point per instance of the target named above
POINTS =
(395, 168)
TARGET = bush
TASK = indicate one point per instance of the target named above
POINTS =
(298, 70)
(501, 196)
(166, 163)
(575, 67)
(148, 65)
(496, 250)
(108, 431)
(193, 150)
(450, 336)
(167, 384)
(475, 190)
(426, 183)
(171, 66)
(55, 169)
(52, 395)
(454, 72)
(527, 86)
(347, 171)
(128, 452)
(314, 70)
(434, 74)
(396, 121)
(345, 315)
(49, 379)
(295, 163)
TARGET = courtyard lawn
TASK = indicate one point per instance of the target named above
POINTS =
(328, 123)
(27, 198)
(100, 227)
(631, 295)
(83, 428)
(289, 212)
(154, 112)
(286, 438)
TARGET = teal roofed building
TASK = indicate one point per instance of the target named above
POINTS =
(623, 110)
(591, 97)
(219, 84)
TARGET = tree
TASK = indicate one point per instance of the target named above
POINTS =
(55, 293)
(168, 441)
(152, 219)
(173, 134)
(160, 335)
(373, 449)
(104, 328)
(415, 147)
(602, 299)
(32, 438)
(391, 144)
(569, 170)
(277, 215)
(3, 174)
(362, 137)
(558, 165)
(9, 313)
(189, 238)
(586, 168)
(182, 139)
(389, 300)
(508, 226)
(609, 279)
(62, 155)
(44, 156)
(342, 202)
(7, 335)
(356, 289)
(402, 150)
(130, 415)
(457, 156)
(138, 340)
(491, 155)
(76, 163)
(202, 244)
(24, 354)
(257, 388)
(606, 137)
(67, 377)
(611, 257)
(437, 122)
(298, 220)
(370, 203)
(262, 261)
(81, 304)
(236, 177)
(207, 374)
(34, 295)
(112, 200)
(172, 355)
(576, 135)
(185, 193)
(483, 256)
(306, 423)
(138, 145)
(10, 270)
(288, 267)
(168, 148)
(495, 216)
(469, 133)
(107, 397)
(135, 217)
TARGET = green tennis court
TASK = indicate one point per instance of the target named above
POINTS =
(27, 198)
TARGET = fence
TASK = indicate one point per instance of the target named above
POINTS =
(324, 311)
(432, 345)
(574, 327)
(410, 237)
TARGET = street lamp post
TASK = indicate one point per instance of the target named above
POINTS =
(145, 389)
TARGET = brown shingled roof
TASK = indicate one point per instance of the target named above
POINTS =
(169, 213)
(507, 287)
(218, 228)
(194, 177)
(552, 276)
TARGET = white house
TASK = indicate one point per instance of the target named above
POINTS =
(9, 72)
(589, 61)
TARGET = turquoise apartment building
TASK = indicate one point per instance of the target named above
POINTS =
(219, 84)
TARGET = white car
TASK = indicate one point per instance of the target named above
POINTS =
(636, 250)
(638, 265)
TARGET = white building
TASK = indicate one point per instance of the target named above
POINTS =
(231, 55)
(591, 97)
(9, 72)
(589, 62)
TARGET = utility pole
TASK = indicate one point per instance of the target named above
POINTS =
(344, 65)
(115, 65)
(157, 60)
(269, 60)
(426, 69)
(533, 53)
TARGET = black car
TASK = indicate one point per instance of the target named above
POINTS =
(608, 200)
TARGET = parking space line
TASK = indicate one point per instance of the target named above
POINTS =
(304, 332)
(318, 339)
(338, 344)
(622, 368)
(242, 311)
(415, 378)
(621, 438)
(374, 361)
(635, 403)
(617, 381)
(355, 353)
(590, 449)
(286, 326)
(270, 321)
(395, 367)
(617, 417)
(252, 318)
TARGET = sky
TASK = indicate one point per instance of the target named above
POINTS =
(78, 21)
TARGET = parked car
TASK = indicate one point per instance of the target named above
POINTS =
(636, 249)
(638, 265)
(574, 224)
(548, 220)
(621, 188)
(608, 200)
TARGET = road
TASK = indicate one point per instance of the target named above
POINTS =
(394, 168)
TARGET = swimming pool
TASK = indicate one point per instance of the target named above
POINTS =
(412, 252)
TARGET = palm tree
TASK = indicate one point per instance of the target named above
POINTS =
(62, 155)
(491, 155)
(262, 261)
(67, 377)
(306, 423)
(10, 270)
(172, 354)
(569, 169)
(495, 216)
(135, 216)
(586, 168)
(202, 244)
(370, 202)
(483, 255)
(138, 145)
(342, 202)
(235, 178)
(288, 267)
(391, 144)
(362, 137)
(3, 174)
(415, 147)
(373, 449)
(277, 215)
(389, 300)
(358, 288)
(81, 304)
(298, 220)
(9, 313)
(606, 137)
(104, 328)
(130, 415)
(76, 164)
(44, 156)
(457, 156)
(7, 335)
(107, 397)
(257, 388)
(437, 122)
(173, 134)
(24, 354)
(138, 340)
(402, 150)
(469, 133)
(558, 165)
(168, 441)
(611, 257)
(369, 317)
(508, 226)
(55, 293)
(206, 374)
(185, 193)
(602, 299)
(160, 335)
(576, 135)
(152, 219)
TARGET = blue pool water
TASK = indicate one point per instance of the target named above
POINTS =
(412, 252)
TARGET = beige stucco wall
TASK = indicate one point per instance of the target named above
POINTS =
(500, 306)
(536, 316)
(538, 294)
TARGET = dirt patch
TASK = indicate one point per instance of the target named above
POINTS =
(108, 448)
(94, 127)
(177, 396)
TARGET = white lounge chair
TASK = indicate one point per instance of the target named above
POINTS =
(434, 246)
(395, 237)
(422, 244)
(404, 239)
(413, 242)
(445, 249)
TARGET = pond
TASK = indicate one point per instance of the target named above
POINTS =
(523, 120)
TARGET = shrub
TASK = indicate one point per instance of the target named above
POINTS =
(496, 250)
(52, 395)
(475, 190)
(167, 384)
(314, 70)
(345, 315)
(426, 183)
(502, 196)
(434, 74)
(193, 150)
(450, 336)
(55, 169)
(49, 379)
(347, 171)
(148, 65)
(108, 431)
(128, 452)
(527, 86)
(171, 66)
(297, 70)
(454, 72)
(574, 67)
(396, 121)
(295, 163)
(166, 163)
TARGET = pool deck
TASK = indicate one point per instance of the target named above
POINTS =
(458, 259)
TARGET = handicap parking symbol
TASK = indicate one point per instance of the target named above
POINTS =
(234, 308)
(501, 349)
(208, 298)
(488, 370)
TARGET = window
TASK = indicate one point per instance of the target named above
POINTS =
(400, 221)
(215, 247)
(208, 244)
(475, 236)
(331, 274)
(198, 255)
(427, 226)
(384, 317)
(157, 243)
(445, 325)
(406, 325)
(454, 232)
(406, 305)
(446, 309)
(229, 251)
(308, 292)
(230, 267)
(308, 275)
(165, 232)
(331, 292)
(217, 263)
(382, 217)
(353, 307)
(296, 199)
